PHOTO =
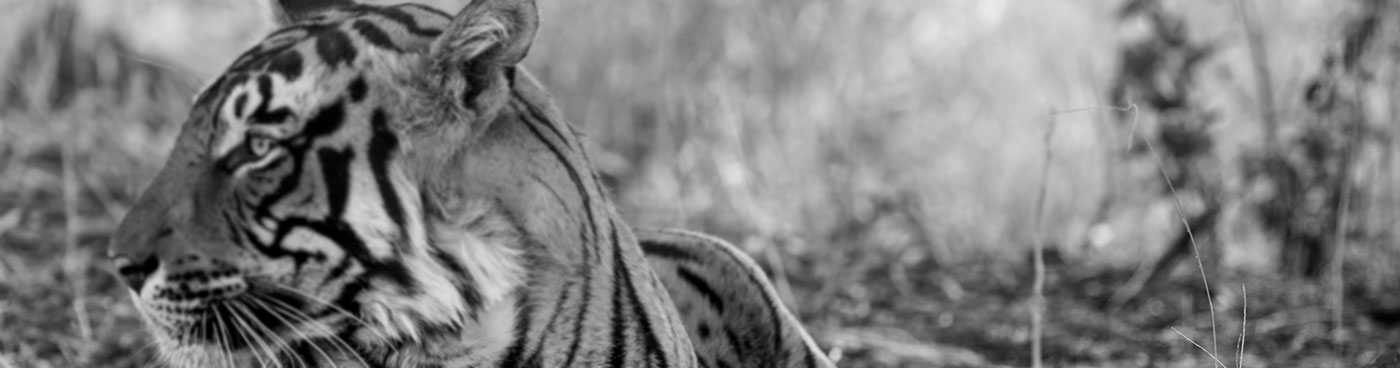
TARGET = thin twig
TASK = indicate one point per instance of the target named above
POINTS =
(1132, 129)
(1038, 285)
(1244, 323)
(1198, 346)
(1088, 108)
(1339, 233)
(75, 274)
(1181, 214)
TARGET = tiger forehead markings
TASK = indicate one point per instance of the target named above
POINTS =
(385, 186)
(280, 62)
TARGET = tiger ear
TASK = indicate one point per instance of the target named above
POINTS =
(495, 33)
(288, 12)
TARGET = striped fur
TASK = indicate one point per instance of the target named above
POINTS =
(384, 187)
(733, 314)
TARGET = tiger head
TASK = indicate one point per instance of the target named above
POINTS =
(293, 210)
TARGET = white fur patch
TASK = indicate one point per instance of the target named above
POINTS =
(487, 243)
(495, 267)
(478, 343)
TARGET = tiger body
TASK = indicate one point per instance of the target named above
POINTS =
(386, 187)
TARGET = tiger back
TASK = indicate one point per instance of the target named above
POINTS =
(386, 187)
(732, 312)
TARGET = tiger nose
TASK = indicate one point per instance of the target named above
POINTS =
(135, 257)
(135, 271)
(135, 247)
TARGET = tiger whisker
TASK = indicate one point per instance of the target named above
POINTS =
(245, 327)
(278, 345)
(344, 345)
(198, 332)
(237, 326)
(337, 309)
(258, 302)
(264, 302)
(225, 347)
(234, 328)
(202, 331)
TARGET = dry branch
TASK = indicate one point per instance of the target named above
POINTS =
(1038, 285)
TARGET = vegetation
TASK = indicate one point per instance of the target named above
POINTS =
(882, 159)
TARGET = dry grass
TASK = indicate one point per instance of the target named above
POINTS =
(877, 154)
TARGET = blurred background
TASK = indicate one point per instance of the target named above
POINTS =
(892, 164)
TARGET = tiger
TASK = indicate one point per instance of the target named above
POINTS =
(386, 186)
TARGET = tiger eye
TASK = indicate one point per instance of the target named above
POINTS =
(259, 146)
